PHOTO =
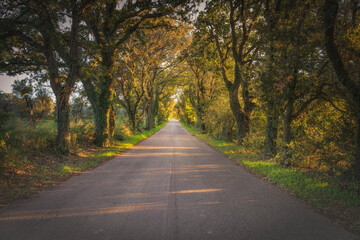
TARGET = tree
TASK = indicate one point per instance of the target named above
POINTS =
(330, 17)
(7, 102)
(201, 79)
(38, 103)
(36, 40)
(270, 97)
(130, 83)
(231, 26)
(25, 92)
(184, 109)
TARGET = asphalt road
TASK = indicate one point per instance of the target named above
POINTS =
(170, 186)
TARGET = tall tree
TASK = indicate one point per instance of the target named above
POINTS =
(201, 78)
(37, 102)
(231, 25)
(38, 40)
(351, 84)
(268, 76)
(25, 91)
(131, 72)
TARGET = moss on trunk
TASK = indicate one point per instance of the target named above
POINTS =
(62, 139)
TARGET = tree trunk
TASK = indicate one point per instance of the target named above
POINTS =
(32, 122)
(154, 111)
(148, 113)
(62, 139)
(288, 116)
(357, 143)
(233, 88)
(247, 107)
(104, 100)
(132, 120)
(112, 122)
(287, 130)
(151, 110)
(62, 91)
(102, 125)
(102, 134)
(270, 99)
(272, 123)
(151, 122)
(200, 122)
(102, 107)
(237, 112)
(147, 119)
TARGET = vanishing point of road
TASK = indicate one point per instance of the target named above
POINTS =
(170, 186)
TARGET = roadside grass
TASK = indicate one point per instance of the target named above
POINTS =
(326, 193)
(39, 171)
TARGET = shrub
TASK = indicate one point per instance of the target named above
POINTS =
(220, 122)
(83, 130)
(124, 129)
(254, 141)
(12, 147)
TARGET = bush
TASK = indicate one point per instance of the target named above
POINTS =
(254, 141)
(12, 148)
(220, 122)
(322, 140)
(185, 111)
(3, 141)
(3, 152)
(83, 131)
(124, 130)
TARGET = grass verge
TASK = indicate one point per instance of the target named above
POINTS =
(38, 173)
(328, 194)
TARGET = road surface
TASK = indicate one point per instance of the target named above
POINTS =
(170, 186)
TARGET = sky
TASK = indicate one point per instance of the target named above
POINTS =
(6, 81)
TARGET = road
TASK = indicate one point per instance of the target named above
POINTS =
(170, 186)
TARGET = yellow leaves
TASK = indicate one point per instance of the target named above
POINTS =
(20, 172)
(3, 144)
(343, 164)
(324, 168)
(95, 62)
(353, 36)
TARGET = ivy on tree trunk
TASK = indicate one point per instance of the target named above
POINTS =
(63, 124)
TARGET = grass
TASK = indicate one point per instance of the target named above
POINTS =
(328, 194)
(41, 171)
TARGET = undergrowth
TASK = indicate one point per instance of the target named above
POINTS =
(31, 164)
